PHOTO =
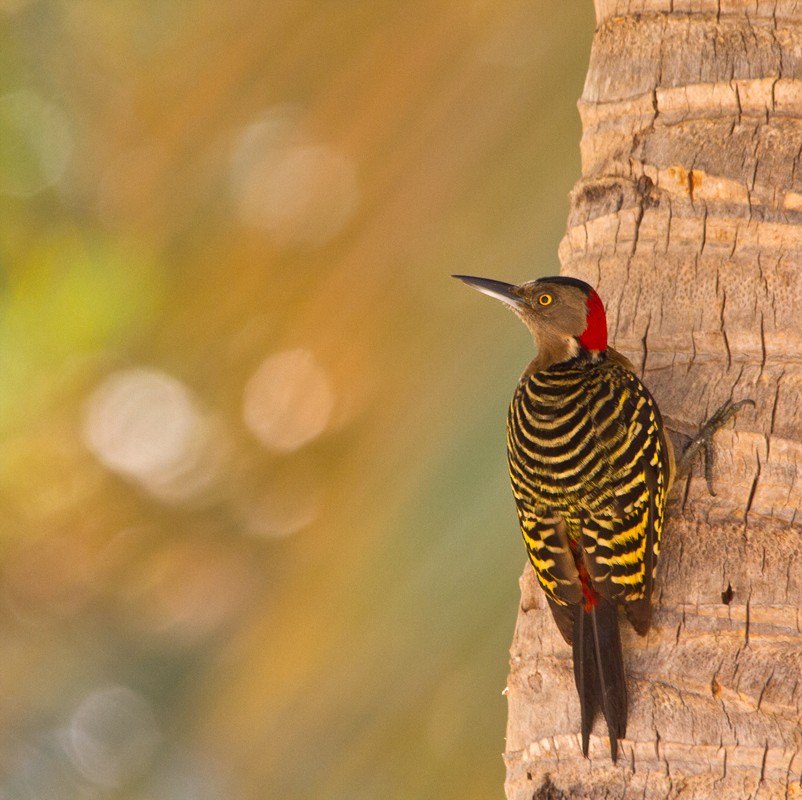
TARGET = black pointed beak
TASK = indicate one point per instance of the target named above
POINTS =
(506, 292)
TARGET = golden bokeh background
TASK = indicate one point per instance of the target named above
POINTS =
(257, 535)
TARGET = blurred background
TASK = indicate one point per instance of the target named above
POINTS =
(257, 537)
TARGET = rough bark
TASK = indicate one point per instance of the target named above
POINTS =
(688, 219)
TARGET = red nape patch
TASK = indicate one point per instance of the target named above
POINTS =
(594, 336)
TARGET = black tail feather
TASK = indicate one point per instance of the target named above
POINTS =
(585, 672)
(599, 671)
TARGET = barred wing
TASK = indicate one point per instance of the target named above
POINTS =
(621, 542)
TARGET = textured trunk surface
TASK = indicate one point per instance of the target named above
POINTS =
(688, 219)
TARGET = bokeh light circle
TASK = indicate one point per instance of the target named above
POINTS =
(112, 735)
(288, 400)
(141, 422)
(35, 143)
(301, 192)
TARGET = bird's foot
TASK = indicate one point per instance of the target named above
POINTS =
(704, 441)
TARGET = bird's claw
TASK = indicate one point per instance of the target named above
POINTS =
(704, 440)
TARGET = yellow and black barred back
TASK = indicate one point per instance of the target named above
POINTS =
(590, 469)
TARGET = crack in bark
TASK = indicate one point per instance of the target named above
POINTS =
(748, 613)
(775, 403)
(763, 763)
(645, 346)
(765, 686)
(752, 491)
(723, 327)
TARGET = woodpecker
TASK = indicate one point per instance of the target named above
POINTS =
(590, 466)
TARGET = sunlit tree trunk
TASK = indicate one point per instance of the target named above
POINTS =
(688, 219)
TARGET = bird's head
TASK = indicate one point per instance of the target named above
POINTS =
(565, 315)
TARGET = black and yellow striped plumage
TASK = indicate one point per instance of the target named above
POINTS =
(590, 468)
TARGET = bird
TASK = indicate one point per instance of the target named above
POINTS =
(590, 465)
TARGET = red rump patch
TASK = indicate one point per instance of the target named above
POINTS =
(589, 594)
(591, 597)
(594, 336)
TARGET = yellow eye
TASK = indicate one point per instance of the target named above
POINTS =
(545, 299)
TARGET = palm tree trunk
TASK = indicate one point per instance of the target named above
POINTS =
(688, 220)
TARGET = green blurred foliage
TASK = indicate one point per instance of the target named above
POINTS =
(220, 585)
